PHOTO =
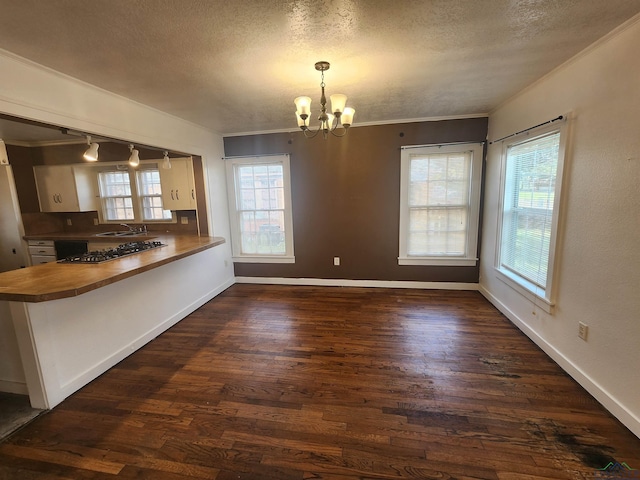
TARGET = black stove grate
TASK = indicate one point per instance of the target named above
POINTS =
(123, 250)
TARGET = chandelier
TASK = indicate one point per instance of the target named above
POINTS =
(336, 123)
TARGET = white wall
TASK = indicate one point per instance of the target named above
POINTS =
(67, 343)
(34, 92)
(599, 254)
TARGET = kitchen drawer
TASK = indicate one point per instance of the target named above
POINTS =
(41, 243)
(42, 250)
(38, 259)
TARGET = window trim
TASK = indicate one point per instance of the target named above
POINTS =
(542, 297)
(232, 182)
(470, 258)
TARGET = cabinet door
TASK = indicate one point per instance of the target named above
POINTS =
(56, 188)
(64, 188)
(178, 185)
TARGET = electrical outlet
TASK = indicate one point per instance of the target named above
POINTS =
(95, 221)
(583, 330)
(336, 261)
(69, 223)
(184, 220)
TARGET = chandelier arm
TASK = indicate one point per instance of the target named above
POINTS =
(308, 135)
(344, 132)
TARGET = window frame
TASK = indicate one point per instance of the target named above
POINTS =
(142, 196)
(470, 255)
(544, 297)
(231, 166)
(138, 214)
(104, 199)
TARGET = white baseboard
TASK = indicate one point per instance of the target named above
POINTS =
(7, 386)
(600, 394)
(343, 282)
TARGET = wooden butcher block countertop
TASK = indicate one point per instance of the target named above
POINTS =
(53, 281)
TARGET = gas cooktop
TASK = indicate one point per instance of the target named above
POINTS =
(120, 251)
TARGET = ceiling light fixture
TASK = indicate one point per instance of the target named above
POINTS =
(342, 117)
(134, 158)
(166, 162)
(91, 155)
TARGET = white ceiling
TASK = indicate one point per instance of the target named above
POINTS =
(235, 66)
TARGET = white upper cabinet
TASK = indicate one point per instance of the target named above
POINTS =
(65, 188)
(178, 186)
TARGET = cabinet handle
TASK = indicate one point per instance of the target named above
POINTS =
(59, 198)
(55, 200)
(177, 196)
(193, 194)
(172, 195)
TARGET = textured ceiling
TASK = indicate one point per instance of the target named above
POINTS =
(235, 66)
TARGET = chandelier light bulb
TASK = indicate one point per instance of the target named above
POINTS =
(338, 102)
(347, 117)
(303, 106)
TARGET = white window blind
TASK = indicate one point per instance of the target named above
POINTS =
(528, 207)
(439, 204)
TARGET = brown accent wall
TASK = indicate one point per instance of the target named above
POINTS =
(346, 200)
(21, 161)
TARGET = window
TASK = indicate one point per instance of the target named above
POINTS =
(532, 176)
(115, 193)
(131, 195)
(150, 194)
(260, 209)
(440, 204)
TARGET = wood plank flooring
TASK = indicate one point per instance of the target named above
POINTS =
(279, 382)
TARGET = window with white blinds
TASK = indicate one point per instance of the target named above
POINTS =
(440, 196)
(532, 170)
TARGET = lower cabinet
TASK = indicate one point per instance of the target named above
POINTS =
(42, 251)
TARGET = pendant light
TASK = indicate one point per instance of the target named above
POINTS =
(91, 155)
(134, 159)
(329, 123)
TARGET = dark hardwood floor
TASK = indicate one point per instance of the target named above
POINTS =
(275, 382)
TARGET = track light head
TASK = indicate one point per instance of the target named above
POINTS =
(134, 159)
(91, 154)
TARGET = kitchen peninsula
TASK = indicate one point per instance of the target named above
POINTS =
(56, 280)
(75, 321)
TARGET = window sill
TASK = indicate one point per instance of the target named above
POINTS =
(264, 259)
(445, 261)
(526, 289)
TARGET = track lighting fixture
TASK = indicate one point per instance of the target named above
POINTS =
(134, 159)
(91, 155)
(166, 162)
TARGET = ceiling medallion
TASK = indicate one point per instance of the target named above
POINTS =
(335, 124)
